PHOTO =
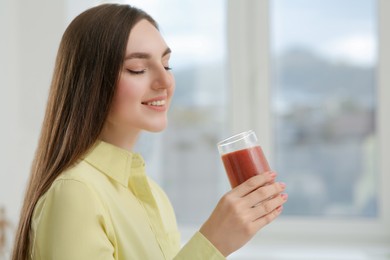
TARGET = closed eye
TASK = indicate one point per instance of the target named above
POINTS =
(136, 72)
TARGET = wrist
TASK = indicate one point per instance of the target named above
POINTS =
(221, 247)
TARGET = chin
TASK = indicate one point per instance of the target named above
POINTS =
(156, 129)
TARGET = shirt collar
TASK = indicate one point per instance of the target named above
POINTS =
(115, 162)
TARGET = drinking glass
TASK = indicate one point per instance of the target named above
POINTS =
(242, 157)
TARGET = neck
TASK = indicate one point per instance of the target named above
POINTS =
(122, 138)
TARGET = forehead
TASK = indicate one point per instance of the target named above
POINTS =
(144, 37)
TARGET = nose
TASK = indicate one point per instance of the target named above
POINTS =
(163, 79)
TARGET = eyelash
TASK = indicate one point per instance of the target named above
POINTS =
(139, 72)
(136, 72)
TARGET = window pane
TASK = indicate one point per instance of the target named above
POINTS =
(324, 56)
(184, 158)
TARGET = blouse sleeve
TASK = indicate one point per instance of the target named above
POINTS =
(69, 224)
(199, 247)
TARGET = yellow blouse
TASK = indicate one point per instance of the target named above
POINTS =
(105, 207)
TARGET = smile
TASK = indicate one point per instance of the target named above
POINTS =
(157, 103)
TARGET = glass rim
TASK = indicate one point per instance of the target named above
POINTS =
(235, 138)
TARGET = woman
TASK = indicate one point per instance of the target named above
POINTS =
(88, 195)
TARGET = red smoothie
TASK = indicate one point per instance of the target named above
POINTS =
(244, 164)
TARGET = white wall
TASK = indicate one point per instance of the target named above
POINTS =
(30, 34)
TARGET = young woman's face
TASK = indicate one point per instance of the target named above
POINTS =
(146, 84)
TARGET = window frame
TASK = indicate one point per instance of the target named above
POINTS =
(250, 87)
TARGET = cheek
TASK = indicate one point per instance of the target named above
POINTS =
(171, 90)
(126, 97)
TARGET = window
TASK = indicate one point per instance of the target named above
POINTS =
(294, 77)
(312, 83)
(324, 106)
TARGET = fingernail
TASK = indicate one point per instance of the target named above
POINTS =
(282, 185)
(272, 174)
(284, 196)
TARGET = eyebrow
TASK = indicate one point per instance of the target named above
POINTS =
(144, 55)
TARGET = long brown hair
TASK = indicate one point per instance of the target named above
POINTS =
(88, 63)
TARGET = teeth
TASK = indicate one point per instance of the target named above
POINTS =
(156, 103)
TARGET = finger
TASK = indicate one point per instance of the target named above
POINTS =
(268, 206)
(263, 193)
(254, 183)
(266, 219)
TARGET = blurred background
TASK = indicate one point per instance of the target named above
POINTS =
(309, 76)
